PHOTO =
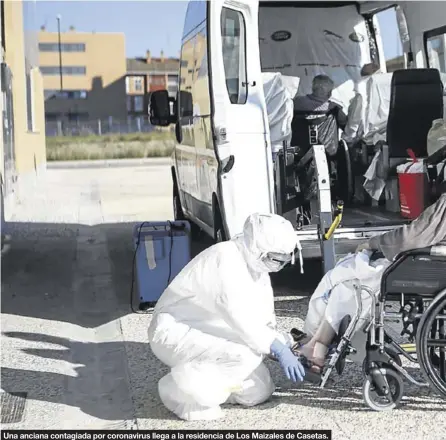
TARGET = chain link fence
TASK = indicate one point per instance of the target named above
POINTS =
(99, 127)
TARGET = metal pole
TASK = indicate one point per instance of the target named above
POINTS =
(60, 53)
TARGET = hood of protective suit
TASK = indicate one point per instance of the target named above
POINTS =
(266, 234)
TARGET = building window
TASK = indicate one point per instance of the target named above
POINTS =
(29, 99)
(138, 102)
(64, 47)
(435, 46)
(138, 84)
(66, 70)
(129, 103)
(172, 89)
(2, 24)
(172, 80)
(65, 94)
(234, 54)
(203, 70)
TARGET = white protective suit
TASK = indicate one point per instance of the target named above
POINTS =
(279, 93)
(215, 323)
(369, 109)
(356, 113)
(334, 297)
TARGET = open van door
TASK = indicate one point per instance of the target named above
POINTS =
(239, 112)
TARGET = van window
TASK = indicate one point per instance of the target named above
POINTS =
(391, 39)
(233, 32)
(435, 44)
(195, 16)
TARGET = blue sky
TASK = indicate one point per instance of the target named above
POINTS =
(153, 25)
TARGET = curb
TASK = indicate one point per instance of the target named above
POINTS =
(109, 163)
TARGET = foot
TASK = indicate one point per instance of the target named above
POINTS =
(307, 356)
(314, 365)
(313, 371)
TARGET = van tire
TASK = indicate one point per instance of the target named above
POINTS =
(219, 230)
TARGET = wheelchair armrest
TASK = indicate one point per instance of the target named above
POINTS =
(414, 252)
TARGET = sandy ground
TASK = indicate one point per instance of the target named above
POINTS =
(71, 343)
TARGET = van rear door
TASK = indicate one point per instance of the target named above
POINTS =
(239, 112)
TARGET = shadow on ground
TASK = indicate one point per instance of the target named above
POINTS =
(343, 395)
(39, 272)
(48, 275)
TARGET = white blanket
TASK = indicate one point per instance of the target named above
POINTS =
(334, 297)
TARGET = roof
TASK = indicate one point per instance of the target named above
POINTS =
(139, 65)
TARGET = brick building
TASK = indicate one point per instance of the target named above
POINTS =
(145, 75)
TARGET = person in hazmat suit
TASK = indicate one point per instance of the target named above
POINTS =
(334, 298)
(215, 323)
(354, 128)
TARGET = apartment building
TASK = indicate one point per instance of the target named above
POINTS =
(22, 133)
(146, 75)
(84, 76)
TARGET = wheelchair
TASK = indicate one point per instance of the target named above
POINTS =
(417, 280)
(295, 172)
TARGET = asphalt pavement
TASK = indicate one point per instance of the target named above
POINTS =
(81, 359)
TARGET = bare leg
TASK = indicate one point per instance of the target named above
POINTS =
(316, 349)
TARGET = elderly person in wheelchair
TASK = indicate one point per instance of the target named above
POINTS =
(386, 262)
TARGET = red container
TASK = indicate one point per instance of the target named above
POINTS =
(412, 188)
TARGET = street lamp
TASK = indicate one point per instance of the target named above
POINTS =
(60, 52)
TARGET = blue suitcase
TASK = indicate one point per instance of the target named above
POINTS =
(162, 249)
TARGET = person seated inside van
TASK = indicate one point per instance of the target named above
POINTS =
(354, 128)
(319, 101)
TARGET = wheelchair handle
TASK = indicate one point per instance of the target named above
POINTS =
(337, 220)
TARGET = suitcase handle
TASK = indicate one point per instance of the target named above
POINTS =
(170, 227)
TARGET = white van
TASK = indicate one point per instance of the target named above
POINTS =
(222, 164)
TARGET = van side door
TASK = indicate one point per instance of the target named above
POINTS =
(239, 112)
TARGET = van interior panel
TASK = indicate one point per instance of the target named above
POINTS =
(303, 39)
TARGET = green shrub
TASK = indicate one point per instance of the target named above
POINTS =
(113, 149)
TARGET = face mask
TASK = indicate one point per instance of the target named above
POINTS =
(274, 262)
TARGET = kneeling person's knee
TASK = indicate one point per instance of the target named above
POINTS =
(259, 387)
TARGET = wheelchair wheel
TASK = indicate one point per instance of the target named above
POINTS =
(431, 344)
(384, 403)
(392, 353)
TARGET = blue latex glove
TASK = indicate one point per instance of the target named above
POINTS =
(288, 361)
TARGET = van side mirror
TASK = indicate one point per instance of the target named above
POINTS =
(160, 113)
(186, 104)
